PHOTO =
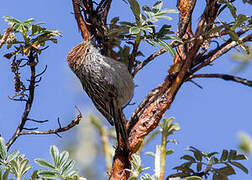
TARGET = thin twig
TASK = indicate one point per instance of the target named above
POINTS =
(226, 77)
(37, 121)
(60, 129)
(222, 50)
(29, 129)
(42, 72)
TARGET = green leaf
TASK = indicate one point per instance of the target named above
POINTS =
(184, 169)
(67, 167)
(166, 11)
(125, 23)
(114, 20)
(134, 30)
(176, 39)
(211, 154)
(25, 169)
(28, 21)
(23, 166)
(36, 29)
(72, 173)
(198, 155)
(157, 6)
(224, 155)
(135, 7)
(163, 17)
(165, 29)
(150, 154)
(189, 158)
(193, 178)
(231, 8)
(12, 156)
(47, 174)
(147, 28)
(151, 42)
(241, 18)
(240, 166)
(227, 170)
(14, 166)
(169, 151)
(35, 175)
(54, 151)
(136, 161)
(6, 174)
(64, 156)
(3, 149)
(147, 10)
(199, 166)
(167, 47)
(240, 157)
(232, 154)
(11, 20)
(44, 163)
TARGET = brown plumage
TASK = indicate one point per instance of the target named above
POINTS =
(106, 81)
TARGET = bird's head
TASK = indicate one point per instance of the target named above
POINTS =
(76, 55)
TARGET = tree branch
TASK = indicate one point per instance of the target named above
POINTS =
(80, 21)
(224, 77)
(224, 48)
(5, 36)
(60, 129)
(29, 101)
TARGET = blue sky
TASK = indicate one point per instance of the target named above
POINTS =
(210, 118)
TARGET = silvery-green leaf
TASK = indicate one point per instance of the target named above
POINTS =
(167, 47)
(3, 149)
(63, 158)
(67, 167)
(54, 151)
(47, 174)
(134, 30)
(44, 163)
(157, 6)
(12, 156)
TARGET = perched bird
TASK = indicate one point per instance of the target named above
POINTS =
(106, 81)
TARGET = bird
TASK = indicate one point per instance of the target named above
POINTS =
(106, 81)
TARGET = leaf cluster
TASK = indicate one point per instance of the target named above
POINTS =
(62, 166)
(207, 163)
(12, 163)
(239, 21)
(144, 27)
(33, 36)
(17, 165)
(26, 42)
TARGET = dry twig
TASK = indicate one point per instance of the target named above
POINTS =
(226, 77)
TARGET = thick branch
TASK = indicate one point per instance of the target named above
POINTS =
(151, 113)
(80, 21)
(224, 77)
